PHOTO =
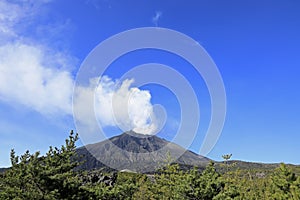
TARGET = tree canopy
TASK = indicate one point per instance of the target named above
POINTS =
(54, 176)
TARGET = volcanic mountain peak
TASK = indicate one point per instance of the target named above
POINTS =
(138, 143)
(137, 152)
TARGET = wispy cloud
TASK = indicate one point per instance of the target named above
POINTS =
(27, 78)
(31, 74)
(10, 14)
(156, 17)
(17, 16)
(100, 4)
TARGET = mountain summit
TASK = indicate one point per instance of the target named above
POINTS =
(136, 152)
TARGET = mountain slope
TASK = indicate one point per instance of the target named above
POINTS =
(135, 152)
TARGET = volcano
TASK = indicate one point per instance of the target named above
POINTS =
(136, 152)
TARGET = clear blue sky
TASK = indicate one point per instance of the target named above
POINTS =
(255, 44)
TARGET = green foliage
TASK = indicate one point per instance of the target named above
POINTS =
(48, 177)
(53, 177)
(284, 184)
(146, 189)
(170, 183)
(204, 185)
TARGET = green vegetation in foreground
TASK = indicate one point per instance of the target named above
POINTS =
(53, 177)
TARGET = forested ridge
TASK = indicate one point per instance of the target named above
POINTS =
(54, 176)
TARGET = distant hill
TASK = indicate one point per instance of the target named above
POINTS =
(140, 153)
(3, 170)
(254, 166)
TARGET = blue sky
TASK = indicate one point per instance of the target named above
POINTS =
(255, 45)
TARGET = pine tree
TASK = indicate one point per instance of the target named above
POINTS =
(47, 177)
(283, 182)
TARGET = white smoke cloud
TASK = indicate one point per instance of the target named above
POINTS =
(118, 104)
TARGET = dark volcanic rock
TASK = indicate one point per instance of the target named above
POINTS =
(95, 177)
(136, 152)
(137, 143)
